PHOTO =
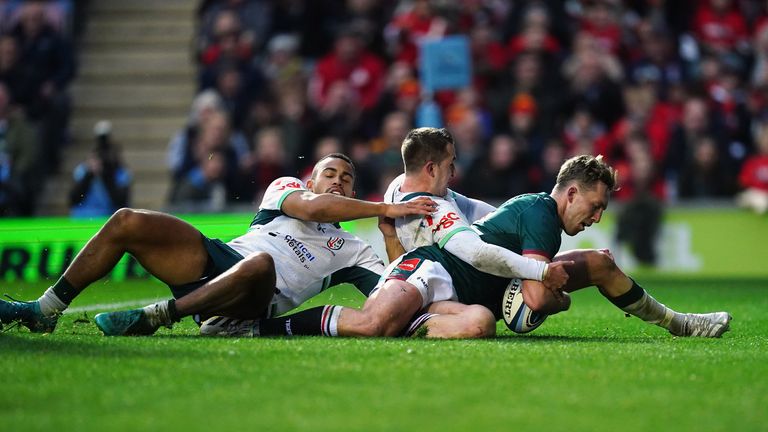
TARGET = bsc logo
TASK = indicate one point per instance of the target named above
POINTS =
(335, 243)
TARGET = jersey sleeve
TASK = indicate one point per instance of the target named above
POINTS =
(540, 234)
(278, 190)
(472, 209)
(445, 222)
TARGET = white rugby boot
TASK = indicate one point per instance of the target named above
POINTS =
(711, 325)
(224, 326)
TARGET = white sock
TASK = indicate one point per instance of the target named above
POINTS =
(330, 325)
(158, 314)
(50, 303)
(651, 311)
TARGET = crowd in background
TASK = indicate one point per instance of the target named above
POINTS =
(673, 93)
(37, 65)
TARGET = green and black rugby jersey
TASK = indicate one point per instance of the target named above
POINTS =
(526, 224)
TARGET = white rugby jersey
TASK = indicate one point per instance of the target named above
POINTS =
(306, 254)
(455, 213)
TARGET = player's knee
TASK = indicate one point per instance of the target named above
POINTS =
(256, 266)
(481, 322)
(124, 221)
(601, 266)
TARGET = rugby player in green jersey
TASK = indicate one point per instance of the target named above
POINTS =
(292, 250)
(530, 224)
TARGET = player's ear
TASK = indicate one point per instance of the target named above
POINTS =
(310, 184)
(430, 167)
(572, 191)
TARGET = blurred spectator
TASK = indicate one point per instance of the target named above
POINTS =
(639, 220)
(499, 175)
(227, 42)
(351, 63)
(535, 35)
(528, 74)
(20, 171)
(254, 16)
(466, 128)
(386, 147)
(102, 183)
(657, 63)
(523, 127)
(704, 175)
(695, 124)
(13, 73)
(340, 114)
(265, 163)
(593, 79)
(198, 175)
(601, 21)
(721, 29)
(753, 177)
(203, 189)
(324, 146)
(544, 176)
(282, 65)
(204, 104)
(51, 62)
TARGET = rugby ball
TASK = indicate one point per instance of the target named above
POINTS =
(516, 314)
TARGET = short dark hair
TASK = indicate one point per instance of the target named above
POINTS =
(424, 144)
(341, 156)
(587, 171)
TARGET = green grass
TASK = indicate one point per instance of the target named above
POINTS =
(589, 369)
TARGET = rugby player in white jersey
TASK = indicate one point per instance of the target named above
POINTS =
(293, 249)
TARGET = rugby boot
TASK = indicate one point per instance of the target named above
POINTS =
(27, 314)
(223, 326)
(711, 325)
(125, 323)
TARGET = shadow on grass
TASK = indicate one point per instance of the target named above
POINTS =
(574, 339)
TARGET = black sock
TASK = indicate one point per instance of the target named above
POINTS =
(64, 290)
(634, 294)
(173, 314)
(316, 321)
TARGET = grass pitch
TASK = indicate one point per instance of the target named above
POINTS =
(589, 369)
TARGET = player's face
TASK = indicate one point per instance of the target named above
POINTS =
(585, 207)
(333, 175)
(445, 170)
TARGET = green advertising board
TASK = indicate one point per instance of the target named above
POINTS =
(703, 242)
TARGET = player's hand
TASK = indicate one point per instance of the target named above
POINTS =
(557, 275)
(418, 206)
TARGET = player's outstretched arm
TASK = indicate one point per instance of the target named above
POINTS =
(498, 261)
(326, 207)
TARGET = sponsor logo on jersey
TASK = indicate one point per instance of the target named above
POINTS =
(409, 264)
(446, 221)
(289, 185)
(335, 243)
(299, 249)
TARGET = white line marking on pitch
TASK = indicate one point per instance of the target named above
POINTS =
(112, 306)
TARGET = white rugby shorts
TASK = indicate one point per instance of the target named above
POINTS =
(429, 277)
